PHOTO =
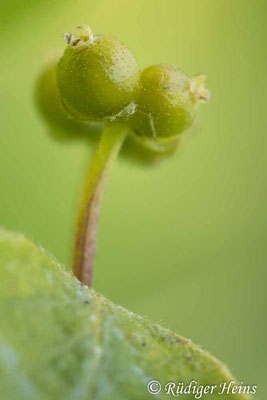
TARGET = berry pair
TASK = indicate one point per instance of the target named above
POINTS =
(99, 80)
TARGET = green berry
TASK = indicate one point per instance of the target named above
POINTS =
(167, 103)
(97, 76)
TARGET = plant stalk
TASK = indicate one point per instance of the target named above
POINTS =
(103, 160)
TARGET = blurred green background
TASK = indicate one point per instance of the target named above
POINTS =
(183, 243)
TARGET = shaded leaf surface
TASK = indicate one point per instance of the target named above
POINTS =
(61, 340)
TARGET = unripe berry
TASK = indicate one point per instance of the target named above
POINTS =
(97, 76)
(167, 102)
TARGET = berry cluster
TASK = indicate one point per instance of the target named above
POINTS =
(98, 80)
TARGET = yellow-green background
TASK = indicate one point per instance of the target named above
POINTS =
(183, 243)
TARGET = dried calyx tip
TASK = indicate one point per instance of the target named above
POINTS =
(67, 37)
(82, 34)
(198, 89)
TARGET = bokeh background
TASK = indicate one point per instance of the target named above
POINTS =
(183, 243)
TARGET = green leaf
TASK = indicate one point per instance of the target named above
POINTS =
(61, 340)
